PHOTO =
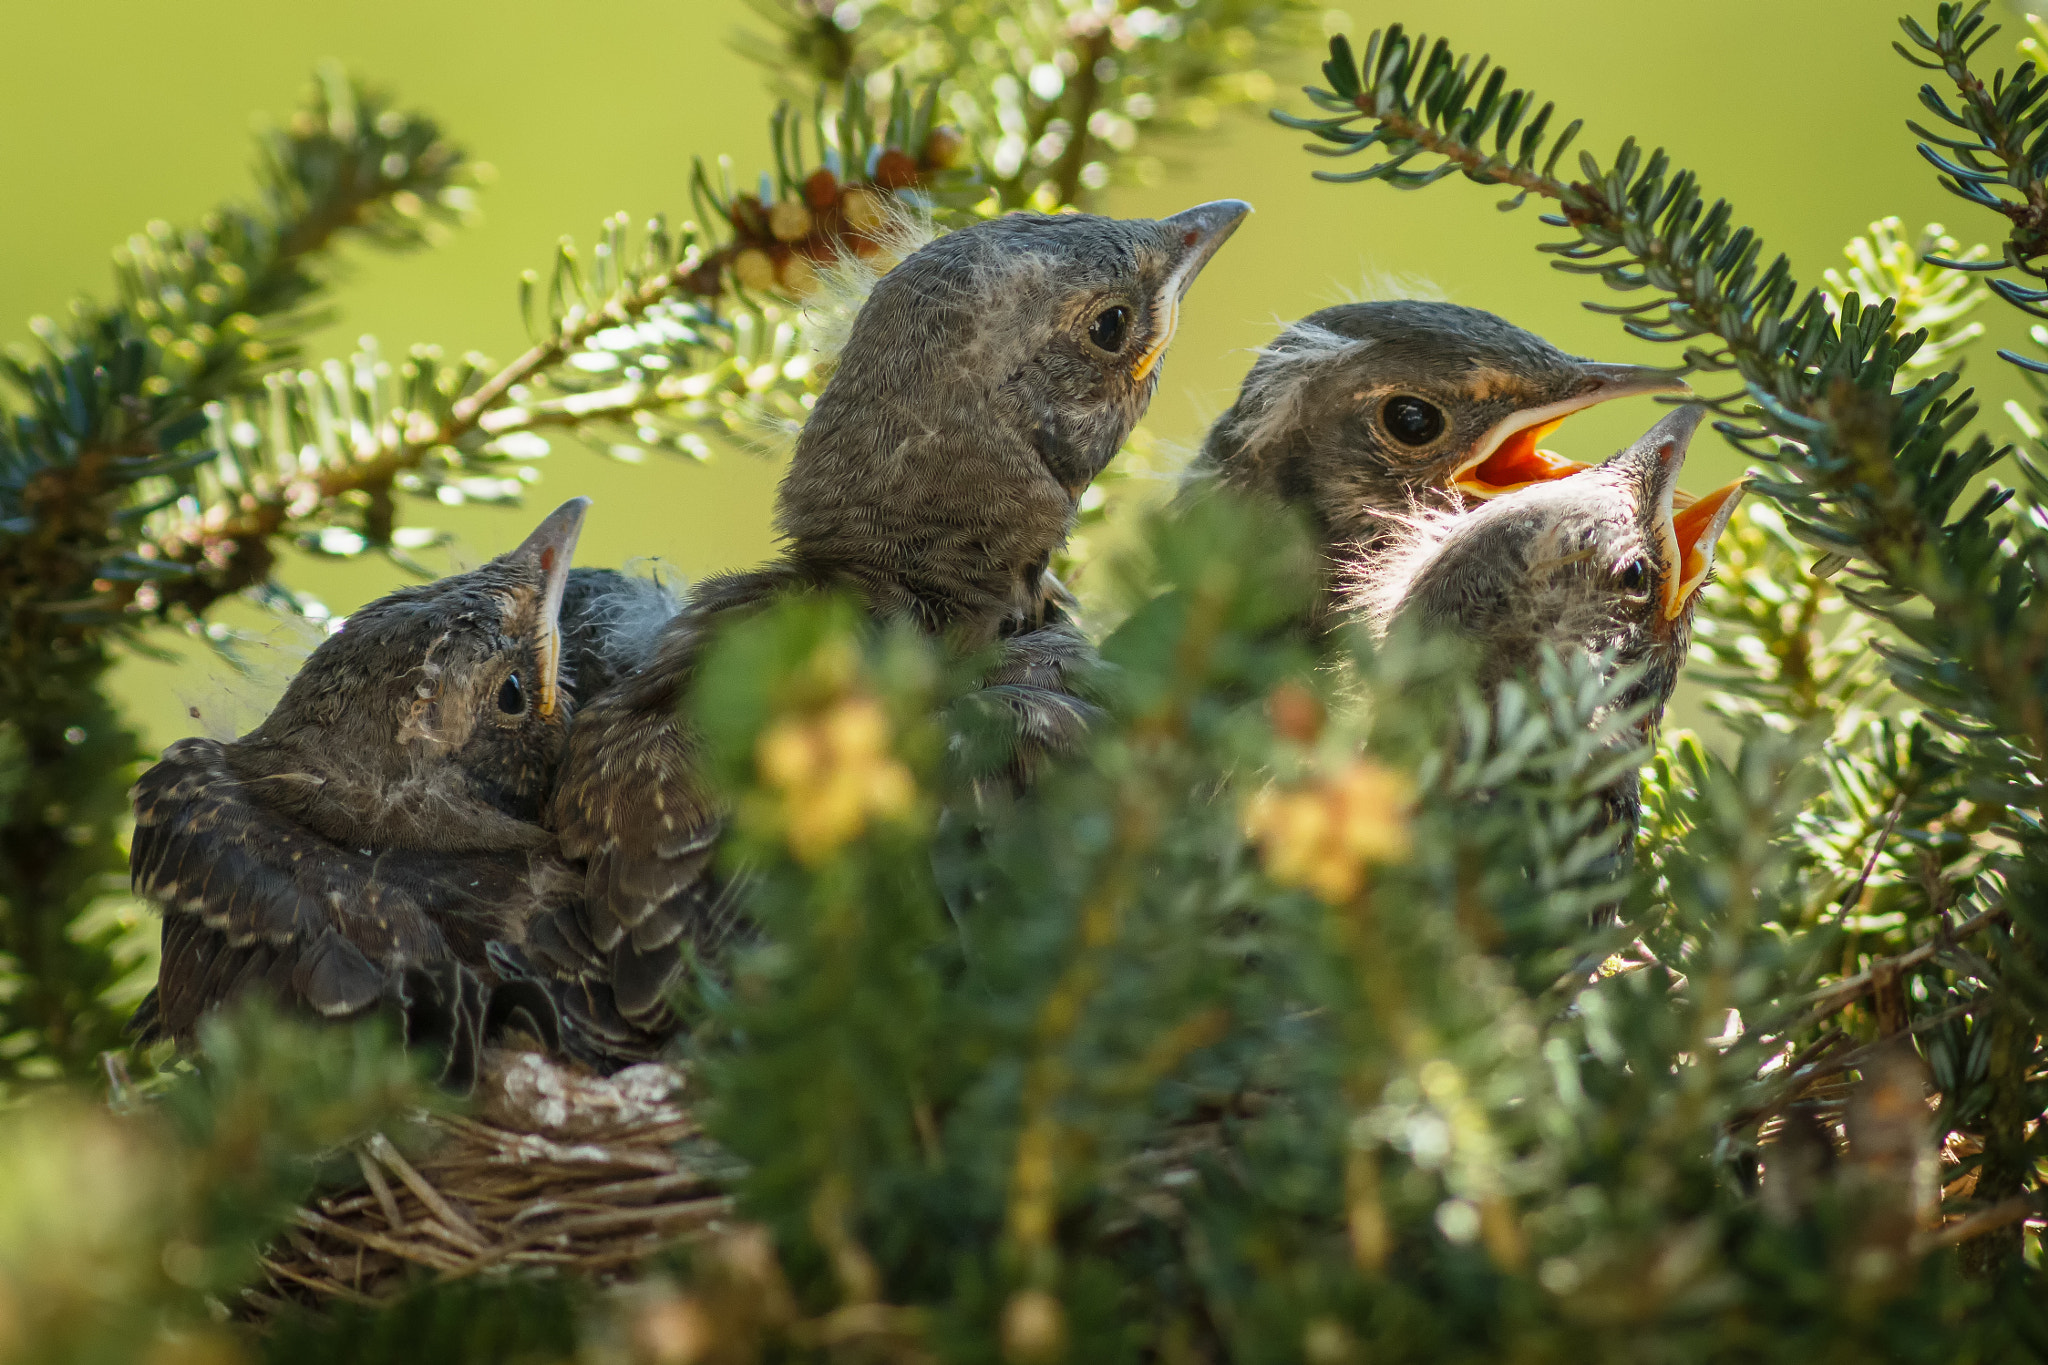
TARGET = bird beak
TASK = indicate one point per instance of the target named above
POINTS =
(550, 548)
(1685, 538)
(1693, 531)
(1201, 230)
(1508, 457)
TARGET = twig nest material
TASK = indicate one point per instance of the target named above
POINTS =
(559, 1169)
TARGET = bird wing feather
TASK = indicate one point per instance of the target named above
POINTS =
(633, 807)
(254, 900)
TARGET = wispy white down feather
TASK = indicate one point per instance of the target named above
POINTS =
(633, 621)
(1388, 286)
(1374, 586)
(1273, 390)
(845, 282)
(232, 694)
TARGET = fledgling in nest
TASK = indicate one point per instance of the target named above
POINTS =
(364, 844)
(985, 380)
(1358, 414)
(1600, 563)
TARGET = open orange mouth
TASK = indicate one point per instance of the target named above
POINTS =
(1691, 547)
(1518, 462)
(1511, 456)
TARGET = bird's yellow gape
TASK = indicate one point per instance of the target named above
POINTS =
(1690, 543)
(1168, 312)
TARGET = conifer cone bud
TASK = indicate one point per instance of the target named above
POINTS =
(799, 277)
(754, 269)
(706, 280)
(821, 189)
(790, 221)
(895, 170)
(748, 217)
(944, 148)
(863, 209)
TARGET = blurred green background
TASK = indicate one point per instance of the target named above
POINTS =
(116, 113)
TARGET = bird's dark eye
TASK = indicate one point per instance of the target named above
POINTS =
(1634, 575)
(511, 696)
(1411, 421)
(1111, 328)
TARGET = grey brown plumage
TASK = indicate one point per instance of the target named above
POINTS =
(1359, 414)
(371, 837)
(984, 383)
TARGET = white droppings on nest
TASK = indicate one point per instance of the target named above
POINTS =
(528, 1093)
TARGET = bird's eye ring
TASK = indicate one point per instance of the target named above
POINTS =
(1411, 421)
(1634, 575)
(1111, 329)
(511, 696)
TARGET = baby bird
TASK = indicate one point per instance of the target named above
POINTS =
(381, 826)
(988, 378)
(1359, 414)
(610, 622)
(1600, 562)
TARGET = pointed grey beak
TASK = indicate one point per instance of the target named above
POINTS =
(1202, 230)
(1604, 381)
(1685, 538)
(550, 548)
(1661, 451)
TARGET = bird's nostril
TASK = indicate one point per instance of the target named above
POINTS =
(1190, 237)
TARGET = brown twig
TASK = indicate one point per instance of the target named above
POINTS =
(1854, 895)
(2002, 1214)
(1844, 992)
(1819, 1067)
(237, 547)
(1085, 95)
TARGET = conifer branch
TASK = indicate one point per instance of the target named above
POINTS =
(1839, 994)
(1058, 100)
(2004, 146)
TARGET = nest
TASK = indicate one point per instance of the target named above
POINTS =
(558, 1169)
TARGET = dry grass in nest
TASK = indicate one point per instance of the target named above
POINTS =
(557, 1169)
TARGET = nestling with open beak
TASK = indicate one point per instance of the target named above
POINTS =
(383, 819)
(987, 379)
(1362, 413)
(1599, 562)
